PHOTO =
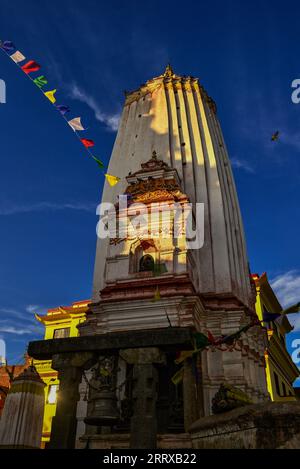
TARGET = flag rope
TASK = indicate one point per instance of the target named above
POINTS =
(112, 180)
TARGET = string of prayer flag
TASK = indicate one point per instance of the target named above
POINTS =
(201, 341)
(32, 66)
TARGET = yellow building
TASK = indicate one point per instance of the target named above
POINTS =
(280, 369)
(59, 323)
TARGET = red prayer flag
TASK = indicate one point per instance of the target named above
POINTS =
(211, 337)
(30, 66)
(87, 143)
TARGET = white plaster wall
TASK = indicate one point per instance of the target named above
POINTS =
(175, 113)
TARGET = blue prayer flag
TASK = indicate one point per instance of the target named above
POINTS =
(8, 46)
(63, 109)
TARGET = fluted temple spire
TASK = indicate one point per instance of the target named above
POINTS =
(173, 115)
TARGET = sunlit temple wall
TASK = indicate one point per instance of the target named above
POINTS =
(174, 116)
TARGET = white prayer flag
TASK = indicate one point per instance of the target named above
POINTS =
(76, 124)
(17, 57)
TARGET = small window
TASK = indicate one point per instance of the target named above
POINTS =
(52, 394)
(61, 333)
(146, 263)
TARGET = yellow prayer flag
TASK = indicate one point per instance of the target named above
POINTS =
(178, 377)
(50, 96)
(112, 180)
(184, 355)
(156, 295)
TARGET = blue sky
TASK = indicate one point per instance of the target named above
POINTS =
(246, 55)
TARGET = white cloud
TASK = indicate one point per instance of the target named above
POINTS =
(11, 317)
(36, 309)
(290, 139)
(44, 206)
(287, 288)
(32, 308)
(10, 312)
(241, 164)
(15, 330)
(110, 120)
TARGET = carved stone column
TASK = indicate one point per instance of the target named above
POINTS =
(70, 367)
(192, 392)
(143, 434)
(144, 422)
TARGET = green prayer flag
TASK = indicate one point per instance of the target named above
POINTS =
(99, 163)
(236, 335)
(40, 81)
(201, 340)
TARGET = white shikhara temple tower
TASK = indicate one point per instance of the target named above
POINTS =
(170, 147)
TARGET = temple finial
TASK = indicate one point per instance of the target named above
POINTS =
(169, 71)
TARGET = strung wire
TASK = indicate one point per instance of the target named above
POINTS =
(53, 104)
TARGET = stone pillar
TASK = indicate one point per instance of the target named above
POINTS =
(81, 408)
(143, 430)
(22, 418)
(70, 367)
(190, 404)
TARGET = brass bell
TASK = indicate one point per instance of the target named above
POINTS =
(102, 408)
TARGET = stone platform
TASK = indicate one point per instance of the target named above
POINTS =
(261, 426)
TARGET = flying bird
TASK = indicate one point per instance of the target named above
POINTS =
(275, 136)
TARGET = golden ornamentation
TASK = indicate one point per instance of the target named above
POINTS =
(148, 88)
(169, 71)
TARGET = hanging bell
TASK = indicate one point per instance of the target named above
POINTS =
(102, 408)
